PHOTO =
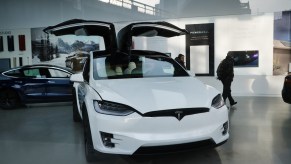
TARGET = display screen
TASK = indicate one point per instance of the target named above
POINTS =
(248, 58)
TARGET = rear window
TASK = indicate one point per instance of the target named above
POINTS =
(31, 72)
(14, 73)
(58, 74)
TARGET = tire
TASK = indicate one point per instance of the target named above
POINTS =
(9, 99)
(90, 152)
(76, 115)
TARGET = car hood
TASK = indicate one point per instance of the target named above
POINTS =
(152, 94)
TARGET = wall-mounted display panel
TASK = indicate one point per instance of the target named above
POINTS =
(10, 42)
(1, 44)
(248, 58)
(21, 41)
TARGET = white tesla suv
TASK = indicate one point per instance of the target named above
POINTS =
(141, 102)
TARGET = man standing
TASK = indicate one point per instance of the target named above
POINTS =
(181, 60)
(225, 74)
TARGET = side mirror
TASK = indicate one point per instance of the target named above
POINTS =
(77, 78)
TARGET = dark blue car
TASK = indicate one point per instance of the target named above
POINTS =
(35, 84)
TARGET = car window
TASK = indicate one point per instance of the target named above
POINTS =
(32, 73)
(14, 73)
(102, 69)
(138, 66)
(80, 43)
(54, 73)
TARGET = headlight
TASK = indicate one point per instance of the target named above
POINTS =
(217, 101)
(110, 108)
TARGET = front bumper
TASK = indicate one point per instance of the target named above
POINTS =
(132, 133)
(198, 145)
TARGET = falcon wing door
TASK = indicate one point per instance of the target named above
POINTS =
(147, 29)
(81, 27)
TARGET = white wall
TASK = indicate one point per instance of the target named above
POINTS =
(236, 33)
(14, 55)
(246, 32)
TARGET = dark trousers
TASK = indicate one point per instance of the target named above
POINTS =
(227, 91)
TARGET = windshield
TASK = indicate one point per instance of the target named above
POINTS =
(138, 66)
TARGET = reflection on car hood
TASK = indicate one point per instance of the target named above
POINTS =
(151, 94)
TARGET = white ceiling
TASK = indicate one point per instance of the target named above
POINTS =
(40, 13)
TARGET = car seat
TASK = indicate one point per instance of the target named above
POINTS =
(118, 70)
(131, 66)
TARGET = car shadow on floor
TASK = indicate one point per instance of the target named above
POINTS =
(205, 155)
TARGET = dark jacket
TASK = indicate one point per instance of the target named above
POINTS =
(225, 69)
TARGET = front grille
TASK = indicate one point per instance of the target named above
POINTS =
(175, 148)
(173, 112)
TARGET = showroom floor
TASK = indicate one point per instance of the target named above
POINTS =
(38, 134)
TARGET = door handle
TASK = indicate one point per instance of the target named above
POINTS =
(51, 82)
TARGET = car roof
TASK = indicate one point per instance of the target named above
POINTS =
(44, 65)
(133, 52)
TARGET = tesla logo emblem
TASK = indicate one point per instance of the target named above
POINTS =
(179, 115)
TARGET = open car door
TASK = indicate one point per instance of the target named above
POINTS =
(81, 27)
(146, 29)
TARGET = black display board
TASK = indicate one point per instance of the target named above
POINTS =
(10, 41)
(201, 34)
(1, 44)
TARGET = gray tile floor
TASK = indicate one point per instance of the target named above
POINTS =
(260, 133)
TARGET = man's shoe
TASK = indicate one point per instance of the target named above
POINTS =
(233, 103)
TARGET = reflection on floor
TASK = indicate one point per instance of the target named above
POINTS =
(260, 133)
